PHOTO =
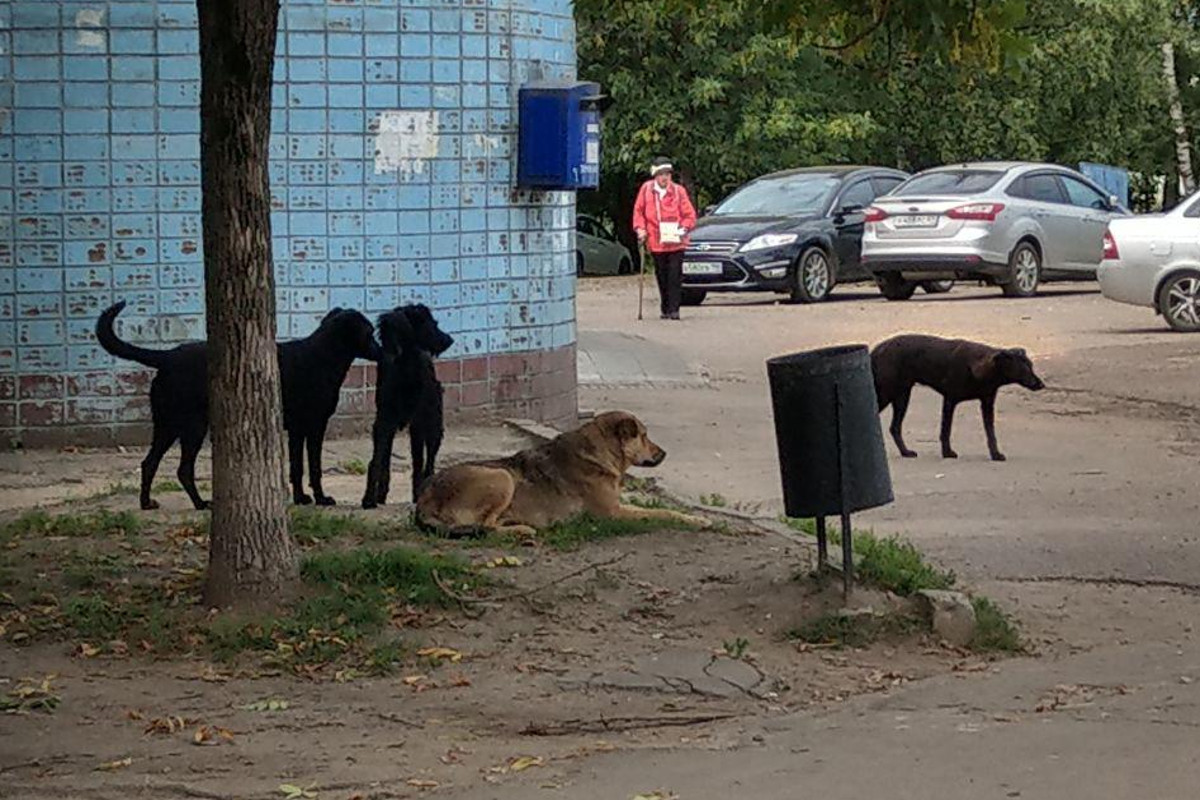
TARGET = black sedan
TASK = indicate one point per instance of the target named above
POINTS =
(797, 232)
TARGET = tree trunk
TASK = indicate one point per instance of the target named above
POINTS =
(251, 556)
(1183, 153)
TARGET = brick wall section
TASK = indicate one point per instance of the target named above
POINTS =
(99, 409)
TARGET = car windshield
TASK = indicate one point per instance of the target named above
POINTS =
(780, 197)
(958, 181)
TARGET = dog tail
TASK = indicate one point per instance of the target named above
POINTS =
(108, 339)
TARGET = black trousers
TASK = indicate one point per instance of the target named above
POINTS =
(668, 270)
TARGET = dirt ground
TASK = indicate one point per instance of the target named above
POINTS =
(603, 686)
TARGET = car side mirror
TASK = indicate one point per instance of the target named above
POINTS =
(1114, 202)
(850, 208)
(708, 210)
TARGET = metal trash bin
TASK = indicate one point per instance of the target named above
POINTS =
(831, 453)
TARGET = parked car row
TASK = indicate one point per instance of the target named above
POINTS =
(1014, 225)
(802, 232)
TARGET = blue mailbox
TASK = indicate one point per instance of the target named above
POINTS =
(559, 139)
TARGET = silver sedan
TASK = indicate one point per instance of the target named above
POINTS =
(1010, 223)
(1154, 261)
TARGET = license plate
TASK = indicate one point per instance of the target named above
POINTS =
(916, 221)
(701, 268)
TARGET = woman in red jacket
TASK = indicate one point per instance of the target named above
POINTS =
(662, 216)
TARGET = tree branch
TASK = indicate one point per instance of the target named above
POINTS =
(862, 36)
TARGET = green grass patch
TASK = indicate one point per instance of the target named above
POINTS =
(580, 530)
(312, 526)
(354, 466)
(713, 500)
(90, 572)
(891, 563)
(91, 523)
(995, 631)
(124, 488)
(404, 571)
(855, 630)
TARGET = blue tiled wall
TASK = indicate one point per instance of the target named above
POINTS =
(394, 133)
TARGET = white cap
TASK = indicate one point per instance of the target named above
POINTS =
(657, 168)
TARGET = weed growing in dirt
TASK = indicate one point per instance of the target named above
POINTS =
(855, 630)
(384, 658)
(737, 648)
(585, 528)
(353, 466)
(891, 563)
(994, 630)
(91, 523)
(714, 500)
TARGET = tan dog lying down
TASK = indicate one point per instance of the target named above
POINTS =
(577, 472)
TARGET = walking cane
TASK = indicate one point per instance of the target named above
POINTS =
(641, 276)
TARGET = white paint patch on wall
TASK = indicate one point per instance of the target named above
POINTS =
(406, 141)
(87, 18)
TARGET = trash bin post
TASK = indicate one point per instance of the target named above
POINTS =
(831, 455)
(822, 546)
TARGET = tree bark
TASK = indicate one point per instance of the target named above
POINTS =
(251, 556)
(1183, 152)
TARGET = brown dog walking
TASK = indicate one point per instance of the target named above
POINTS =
(957, 369)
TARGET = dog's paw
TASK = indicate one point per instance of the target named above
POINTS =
(302, 500)
(949, 454)
(369, 504)
(203, 505)
(999, 457)
(150, 505)
(908, 453)
(325, 500)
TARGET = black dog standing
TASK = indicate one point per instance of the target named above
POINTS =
(311, 373)
(407, 393)
(957, 369)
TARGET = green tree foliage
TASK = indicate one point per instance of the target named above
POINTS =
(732, 89)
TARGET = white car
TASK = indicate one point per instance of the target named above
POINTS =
(1154, 261)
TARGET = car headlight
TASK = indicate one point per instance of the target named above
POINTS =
(768, 240)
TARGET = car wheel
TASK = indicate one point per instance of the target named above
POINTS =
(893, 286)
(625, 267)
(1024, 271)
(812, 280)
(578, 264)
(936, 287)
(692, 297)
(1179, 301)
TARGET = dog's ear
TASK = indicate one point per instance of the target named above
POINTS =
(626, 429)
(395, 332)
(985, 367)
(1019, 352)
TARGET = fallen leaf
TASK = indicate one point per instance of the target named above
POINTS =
(211, 735)
(135, 715)
(87, 650)
(292, 792)
(460, 681)
(166, 725)
(109, 766)
(413, 680)
(441, 653)
(504, 561)
(420, 784)
(266, 705)
(525, 762)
